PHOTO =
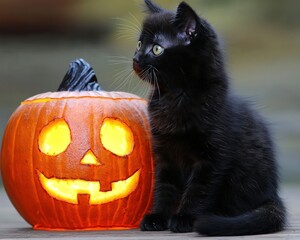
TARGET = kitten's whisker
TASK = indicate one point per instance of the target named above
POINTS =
(119, 58)
(127, 29)
(121, 70)
(148, 78)
(121, 73)
(122, 61)
(139, 87)
(128, 36)
(120, 78)
(145, 87)
(127, 80)
(152, 82)
(119, 62)
(156, 81)
(123, 27)
(126, 22)
(138, 23)
(123, 86)
(145, 74)
(130, 81)
(124, 77)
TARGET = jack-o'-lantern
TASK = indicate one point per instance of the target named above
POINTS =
(79, 160)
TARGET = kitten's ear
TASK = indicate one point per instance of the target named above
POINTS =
(187, 20)
(152, 7)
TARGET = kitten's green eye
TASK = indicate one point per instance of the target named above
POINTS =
(139, 45)
(157, 50)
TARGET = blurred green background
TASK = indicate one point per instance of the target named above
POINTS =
(38, 39)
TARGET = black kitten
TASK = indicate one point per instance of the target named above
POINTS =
(215, 166)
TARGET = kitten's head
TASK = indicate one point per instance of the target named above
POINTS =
(175, 48)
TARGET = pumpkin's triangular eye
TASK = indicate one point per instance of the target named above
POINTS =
(55, 137)
(116, 137)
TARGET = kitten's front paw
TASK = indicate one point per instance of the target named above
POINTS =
(154, 222)
(181, 223)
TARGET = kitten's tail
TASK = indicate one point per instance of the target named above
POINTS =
(266, 219)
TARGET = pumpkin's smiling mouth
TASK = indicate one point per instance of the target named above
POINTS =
(67, 190)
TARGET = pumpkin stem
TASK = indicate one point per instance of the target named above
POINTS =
(80, 77)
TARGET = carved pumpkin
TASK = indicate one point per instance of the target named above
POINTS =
(79, 160)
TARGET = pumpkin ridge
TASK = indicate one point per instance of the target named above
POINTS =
(31, 166)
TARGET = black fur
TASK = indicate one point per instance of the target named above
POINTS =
(216, 171)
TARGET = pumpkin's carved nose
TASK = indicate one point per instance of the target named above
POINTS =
(90, 159)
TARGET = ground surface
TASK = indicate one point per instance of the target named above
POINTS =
(12, 226)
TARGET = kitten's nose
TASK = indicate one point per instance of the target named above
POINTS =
(136, 64)
(135, 59)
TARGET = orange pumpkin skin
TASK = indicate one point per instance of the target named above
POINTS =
(84, 112)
